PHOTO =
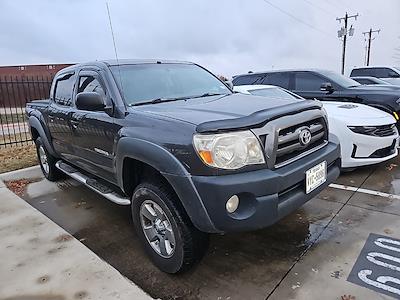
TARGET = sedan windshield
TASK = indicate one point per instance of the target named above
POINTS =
(275, 93)
(154, 83)
(341, 80)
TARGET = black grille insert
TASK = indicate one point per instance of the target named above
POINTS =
(380, 131)
(289, 145)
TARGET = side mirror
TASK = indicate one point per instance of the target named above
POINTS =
(327, 87)
(393, 74)
(91, 101)
(229, 84)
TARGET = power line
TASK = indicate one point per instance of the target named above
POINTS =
(297, 19)
(369, 33)
(333, 4)
(319, 7)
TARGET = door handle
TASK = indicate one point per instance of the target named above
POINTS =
(74, 124)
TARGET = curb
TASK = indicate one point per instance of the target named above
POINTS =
(42, 257)
(34, 171)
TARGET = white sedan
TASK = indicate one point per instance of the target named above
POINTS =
(366, 135)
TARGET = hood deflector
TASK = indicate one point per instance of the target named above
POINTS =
(257, 119)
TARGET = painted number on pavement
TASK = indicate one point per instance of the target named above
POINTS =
(378, 265)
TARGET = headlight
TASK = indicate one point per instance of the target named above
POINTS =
(229, 150)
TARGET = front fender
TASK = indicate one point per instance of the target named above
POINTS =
(173, 171)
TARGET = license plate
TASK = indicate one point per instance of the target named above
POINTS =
(315, 177)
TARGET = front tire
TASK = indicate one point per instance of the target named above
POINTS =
(169, 238)
(47, 162)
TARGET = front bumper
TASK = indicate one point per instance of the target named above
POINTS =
(366, 150)
(265, 195)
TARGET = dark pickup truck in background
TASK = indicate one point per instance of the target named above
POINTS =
(327, 85)
(186, 153)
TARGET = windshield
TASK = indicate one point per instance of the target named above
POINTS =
(166, 81)
(275, 93)
(340, 80)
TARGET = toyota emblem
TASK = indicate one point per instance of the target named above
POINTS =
(304, 137)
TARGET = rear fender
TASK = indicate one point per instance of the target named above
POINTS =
(35, 123)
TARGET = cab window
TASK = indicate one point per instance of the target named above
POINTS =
(90, 84)
(306, 81)
(278, 79)
(63, 90)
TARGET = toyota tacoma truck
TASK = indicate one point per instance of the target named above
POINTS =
(189, 156)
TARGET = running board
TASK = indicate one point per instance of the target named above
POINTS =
(93, 184)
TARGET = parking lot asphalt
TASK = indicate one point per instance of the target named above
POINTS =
(309, 254)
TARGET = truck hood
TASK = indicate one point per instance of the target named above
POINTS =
(356, 113)
(232, 111)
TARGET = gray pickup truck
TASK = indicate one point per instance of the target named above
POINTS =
(189, 156)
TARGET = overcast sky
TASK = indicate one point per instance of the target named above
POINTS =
(226, 36)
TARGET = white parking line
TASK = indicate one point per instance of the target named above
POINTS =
(365, 191)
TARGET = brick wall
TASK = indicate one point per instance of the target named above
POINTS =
(19, 84)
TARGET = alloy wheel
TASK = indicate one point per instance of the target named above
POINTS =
(43, 159)
(157, 228)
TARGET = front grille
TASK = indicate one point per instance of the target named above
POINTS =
(384, 151)
(280, 137)
(289, 146)
(379, 131)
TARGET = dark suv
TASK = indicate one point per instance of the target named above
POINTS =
(328, 86)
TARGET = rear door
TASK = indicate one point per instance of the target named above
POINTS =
(59, 113)
(282, 79)
(94, 132)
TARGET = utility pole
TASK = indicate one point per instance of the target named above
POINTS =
(343, 32)
(369, 33)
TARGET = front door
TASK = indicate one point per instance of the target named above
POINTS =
(308, 85)
(94, 132)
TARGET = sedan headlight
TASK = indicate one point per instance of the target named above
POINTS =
(229, 150)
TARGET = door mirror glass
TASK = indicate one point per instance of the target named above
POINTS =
(393, 74)
(327, 87)
(91, 101)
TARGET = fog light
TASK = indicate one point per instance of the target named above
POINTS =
(232, 204)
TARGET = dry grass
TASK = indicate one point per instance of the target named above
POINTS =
(17, 157)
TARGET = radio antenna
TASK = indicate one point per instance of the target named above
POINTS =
(115, 48)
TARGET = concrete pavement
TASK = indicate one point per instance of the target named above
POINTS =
(309, 254)
(41, 261)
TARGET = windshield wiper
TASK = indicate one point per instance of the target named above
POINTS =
(158, 100)
(162, 100)
(208, 95)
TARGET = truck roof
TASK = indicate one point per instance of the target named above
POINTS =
(373, 67)
(284, 70)
(121, 62)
